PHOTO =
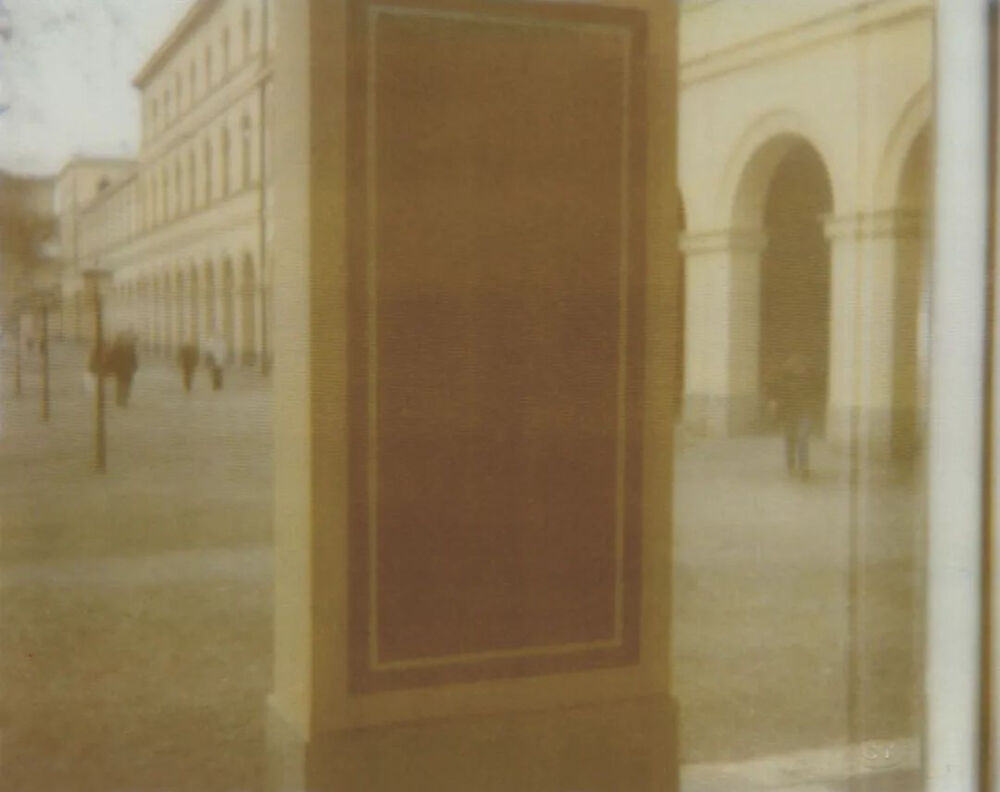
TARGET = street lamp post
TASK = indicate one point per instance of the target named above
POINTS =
(94, 278)
(45, 360)
(45, 298)
(17, 356)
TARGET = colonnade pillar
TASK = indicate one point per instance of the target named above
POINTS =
(249, 319)
(876, 263)
(447, 671)
(722, 337)
(227, 310)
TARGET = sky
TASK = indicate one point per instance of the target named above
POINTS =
(66, 69)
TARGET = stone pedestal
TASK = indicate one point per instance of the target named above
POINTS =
(473, 455)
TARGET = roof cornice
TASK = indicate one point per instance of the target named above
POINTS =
(190, 20)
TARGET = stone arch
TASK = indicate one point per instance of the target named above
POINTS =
(783, 195)
(913, 122)
(750, 168)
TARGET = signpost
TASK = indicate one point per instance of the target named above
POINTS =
(44, 300)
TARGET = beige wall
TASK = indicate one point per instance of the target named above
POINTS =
(187, 208)
(754, 82)
(851, 80)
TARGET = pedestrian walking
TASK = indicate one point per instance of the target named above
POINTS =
(793, 401)
(123, 362)
(188, 358)
(215, 356)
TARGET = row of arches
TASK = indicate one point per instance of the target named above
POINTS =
(192, 303)
(796, 274)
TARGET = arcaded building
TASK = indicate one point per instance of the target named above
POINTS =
(803, 205)
(183, 232)
(804, 158)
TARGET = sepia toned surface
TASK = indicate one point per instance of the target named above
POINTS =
(498, 343)
(446, 479)
(528, 469)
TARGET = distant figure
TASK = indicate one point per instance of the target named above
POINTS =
(793, 397)
(215, 356)
(122, 362)
(188, 357)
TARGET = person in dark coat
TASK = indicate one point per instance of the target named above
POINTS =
(215, 356)
(122, 363)
(794, 404)
(188, 358)
(126, 364)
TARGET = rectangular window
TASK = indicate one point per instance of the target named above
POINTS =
(224, 156)
(165, 185)
(247, 32)
(192, 183)
(178, 187)
(246, 130)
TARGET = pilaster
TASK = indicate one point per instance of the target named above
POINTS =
(722, 337)
(876, 274)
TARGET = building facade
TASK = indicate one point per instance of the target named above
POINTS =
(78, 185)
(27, 264)
(804, 141)
(183, 231)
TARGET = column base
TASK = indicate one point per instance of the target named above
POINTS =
(712, 415)
(629, 745)
(884, 434)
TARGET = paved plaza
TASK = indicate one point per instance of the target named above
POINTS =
(135, 619)
(135, 606)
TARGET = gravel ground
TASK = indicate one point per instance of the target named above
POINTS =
(135, 606)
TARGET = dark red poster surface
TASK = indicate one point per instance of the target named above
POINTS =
(496, 340)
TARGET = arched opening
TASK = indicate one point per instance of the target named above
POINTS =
(195, 305)
(911, 308)
(795, 272)
(211, 320)
(228, 310)
(168, 313)
(249, 324)
(180, 295)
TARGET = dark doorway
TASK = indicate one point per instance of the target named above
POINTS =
(795, 269)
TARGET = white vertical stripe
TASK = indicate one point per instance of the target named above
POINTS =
(956, 397)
